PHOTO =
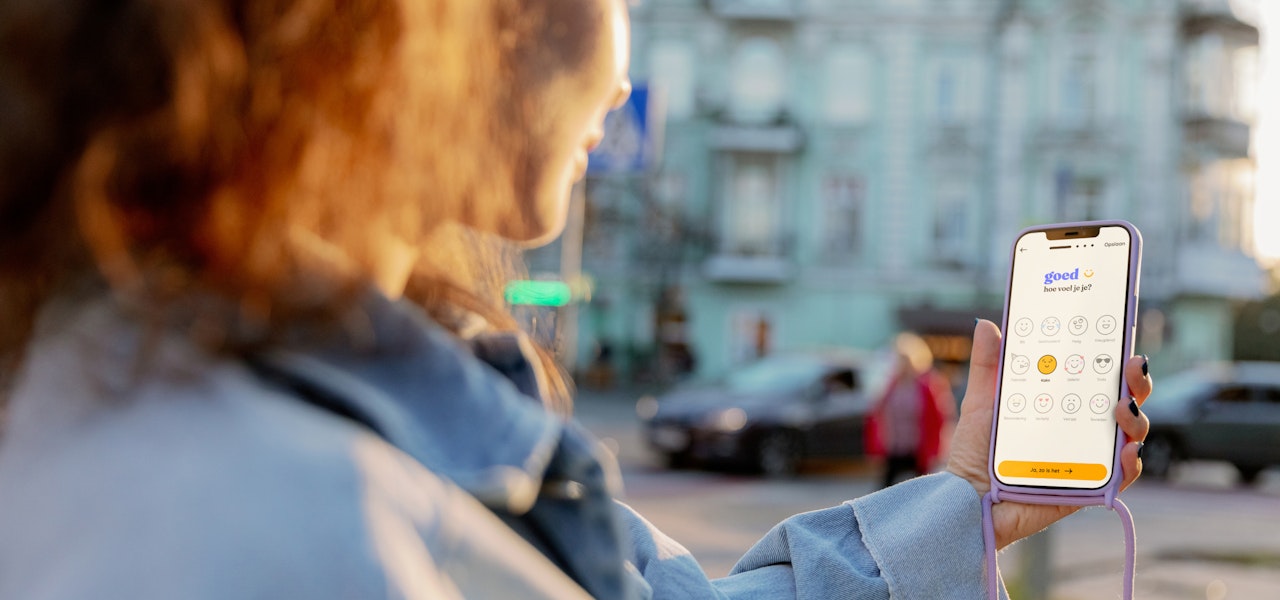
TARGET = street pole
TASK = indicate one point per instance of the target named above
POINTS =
(1035, 565)
(571, 273)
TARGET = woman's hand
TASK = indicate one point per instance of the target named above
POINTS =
(972, 441)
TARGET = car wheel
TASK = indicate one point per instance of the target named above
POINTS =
(1249, 473)
(1159, 454)
(778, 454)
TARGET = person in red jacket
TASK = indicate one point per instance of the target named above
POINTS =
(912, 418)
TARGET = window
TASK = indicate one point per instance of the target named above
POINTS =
(1205, 77)
(752, 206)
(1196, 79)
(1221, 78)
(672, 74)
(1245, 71)
(843, 197)
(840, 381)
(664, 214)
(1234, 394)
(671, 188)
(1080, 90)
(1079, 197)
(946, 94)
(848, 80)
(758, 81)
(954, 93)
(1082, 61)
(1221, 197)
(951, 227)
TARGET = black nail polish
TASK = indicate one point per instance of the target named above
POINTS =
(1133, 407)
(975, 321)
(1140, 447)
(1144, 365)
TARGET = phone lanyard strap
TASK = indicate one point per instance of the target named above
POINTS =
(1110, 501)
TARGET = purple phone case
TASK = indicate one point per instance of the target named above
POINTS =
(1135, 266)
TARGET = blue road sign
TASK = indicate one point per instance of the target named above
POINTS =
(628, 141)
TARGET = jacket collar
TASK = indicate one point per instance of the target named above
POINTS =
(428, 394)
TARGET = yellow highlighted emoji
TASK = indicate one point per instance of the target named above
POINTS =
(1047, 364)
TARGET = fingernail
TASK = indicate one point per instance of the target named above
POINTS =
(1140, 447)
(975, 321)
(1144, 365)
(1133, 407)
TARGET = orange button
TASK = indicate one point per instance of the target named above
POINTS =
(1053, 470)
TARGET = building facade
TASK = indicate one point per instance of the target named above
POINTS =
(835, 171)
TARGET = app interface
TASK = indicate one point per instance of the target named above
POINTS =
(1063, 359)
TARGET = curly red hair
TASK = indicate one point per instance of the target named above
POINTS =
(169, 146)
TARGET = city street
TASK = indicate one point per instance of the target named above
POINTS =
(1198, 537)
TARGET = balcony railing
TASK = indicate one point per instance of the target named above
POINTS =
(757, 10)
(1205, 269)
(1205, 16)
(782, 139)
(1227, 138)
(756, 262)
(1093, 134)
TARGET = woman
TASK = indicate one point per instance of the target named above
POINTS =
(214, 216)
(912, 419)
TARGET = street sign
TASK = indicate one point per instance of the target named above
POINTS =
(526, 292)
(631, 135)
(538, 293)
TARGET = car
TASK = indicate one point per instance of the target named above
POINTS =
(1225, 412)
(770, 415)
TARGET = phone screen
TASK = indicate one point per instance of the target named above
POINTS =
(1064, 352)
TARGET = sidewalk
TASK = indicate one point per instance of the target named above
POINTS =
(1199, 537)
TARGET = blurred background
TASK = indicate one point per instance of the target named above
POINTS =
(812, 177)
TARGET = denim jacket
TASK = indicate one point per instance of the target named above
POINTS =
(409, 465)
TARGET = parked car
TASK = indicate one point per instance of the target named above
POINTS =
(1227, 412)
(770, 415)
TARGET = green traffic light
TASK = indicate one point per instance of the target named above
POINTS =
(538, 293)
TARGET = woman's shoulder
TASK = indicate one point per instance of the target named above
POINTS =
(205, 474)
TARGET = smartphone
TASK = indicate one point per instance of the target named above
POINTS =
(1068, 331)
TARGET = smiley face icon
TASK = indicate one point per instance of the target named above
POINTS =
(1051, 326)
(1088, 273)
(1015, 403)
(1047, 364)
(1102, 364)
(1044, 403)
(1019, 364)
(1099, 403)
(1074, 364)
(1077, 325)
(1106, 324)
(1023, 327)
(1070, 404)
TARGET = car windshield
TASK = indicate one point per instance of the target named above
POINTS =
(1180, 389)
(774, 375)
